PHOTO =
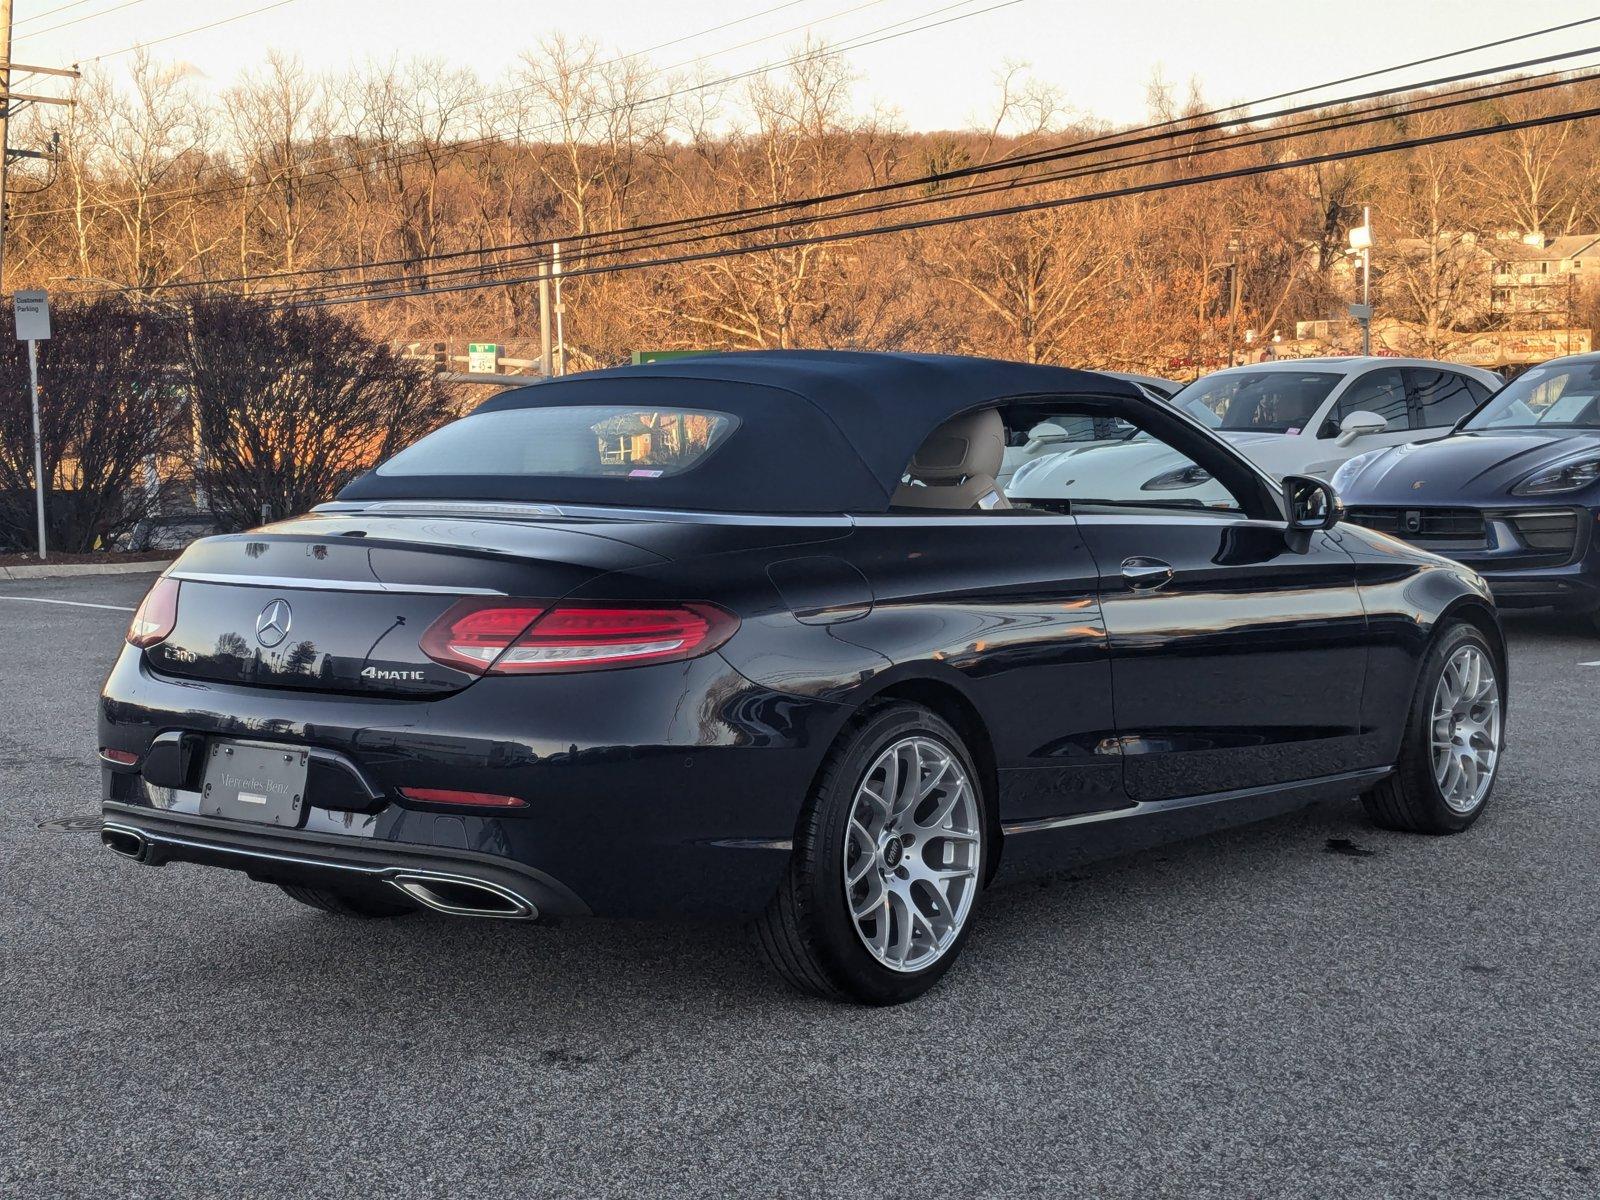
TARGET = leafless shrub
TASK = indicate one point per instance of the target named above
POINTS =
(292, 404)
(112, 417)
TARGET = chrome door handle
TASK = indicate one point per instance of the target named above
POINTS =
(1144, 574)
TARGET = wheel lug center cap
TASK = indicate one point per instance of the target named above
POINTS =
(893, 852)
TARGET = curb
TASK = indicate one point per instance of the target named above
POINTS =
(71, 570)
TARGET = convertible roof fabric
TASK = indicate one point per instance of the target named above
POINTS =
(820, 431)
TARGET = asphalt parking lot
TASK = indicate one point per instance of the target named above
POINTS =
(1310, 1007)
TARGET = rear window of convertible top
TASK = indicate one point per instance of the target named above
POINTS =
(590, 441)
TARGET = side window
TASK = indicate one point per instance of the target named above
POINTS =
(1382, 392)
(1480, 393)
(1442, 397)
(1141, 471)
(1054, 428)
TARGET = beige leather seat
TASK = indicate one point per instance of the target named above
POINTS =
(956, 466)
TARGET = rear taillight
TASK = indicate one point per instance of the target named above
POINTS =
(473, 633)
(156, 615)
(525, 638)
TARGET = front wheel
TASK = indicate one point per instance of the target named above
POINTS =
(1453, 741)
(888, 863)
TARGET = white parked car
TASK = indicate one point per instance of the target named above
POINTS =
(1071, 434)
(1299, 417)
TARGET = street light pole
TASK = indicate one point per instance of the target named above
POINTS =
(1234, 249)
(1361, 239)
(1366, 282)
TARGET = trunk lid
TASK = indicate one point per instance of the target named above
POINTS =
(338, 602)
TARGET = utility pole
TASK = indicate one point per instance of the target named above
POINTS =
(5, 127)
(561, 311)
(7, 100)
(545, 363)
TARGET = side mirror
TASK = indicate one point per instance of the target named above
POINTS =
(1047, 433)
(1312, 503)
(1359, 424)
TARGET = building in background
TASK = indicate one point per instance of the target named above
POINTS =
(1537, 282)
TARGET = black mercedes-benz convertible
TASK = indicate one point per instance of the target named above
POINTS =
(758, 635)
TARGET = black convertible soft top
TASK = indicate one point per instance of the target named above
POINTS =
(819, 430)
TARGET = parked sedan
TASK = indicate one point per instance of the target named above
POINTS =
(1514, 492)
(757, 635)
(1056, 433)
(1304, 417)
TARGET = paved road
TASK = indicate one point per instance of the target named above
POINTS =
(1306, 1008)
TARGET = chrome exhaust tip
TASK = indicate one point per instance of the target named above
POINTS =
(461, 897)
(129, 843)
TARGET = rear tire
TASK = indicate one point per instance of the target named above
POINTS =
(1414, 799)
(879, 897)
(349, 903)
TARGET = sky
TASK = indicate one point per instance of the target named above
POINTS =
(1100, 54)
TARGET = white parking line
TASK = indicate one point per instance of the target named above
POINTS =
(1595, 663)
(72, 603)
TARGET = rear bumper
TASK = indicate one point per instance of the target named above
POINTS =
(468, 884)
(671, 789)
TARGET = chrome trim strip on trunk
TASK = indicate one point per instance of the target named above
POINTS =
(289, 582)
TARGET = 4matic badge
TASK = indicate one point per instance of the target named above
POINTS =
(393, 676)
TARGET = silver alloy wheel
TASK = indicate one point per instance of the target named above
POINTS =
(912, 853)
(1466, 728)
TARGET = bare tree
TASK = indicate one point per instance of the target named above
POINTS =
(281, 124)
(112, 420)
(293, 404)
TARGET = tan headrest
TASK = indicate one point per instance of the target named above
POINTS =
(963, 446)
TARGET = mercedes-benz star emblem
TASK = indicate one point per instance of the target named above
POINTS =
(272, 626)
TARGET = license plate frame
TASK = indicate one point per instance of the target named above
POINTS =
(256, 782)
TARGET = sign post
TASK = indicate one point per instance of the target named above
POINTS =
(32, 312)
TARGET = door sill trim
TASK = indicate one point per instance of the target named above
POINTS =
(1355, 780)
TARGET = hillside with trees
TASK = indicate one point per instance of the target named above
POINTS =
(380, 172)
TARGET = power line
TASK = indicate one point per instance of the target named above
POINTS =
(1138, 135)
(689, 37)
(75, 20)
(50, 12)
(186, 32)
(1194, 148)
(1189, 152)
(870, 38)
(617, 241)
(992, 213)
